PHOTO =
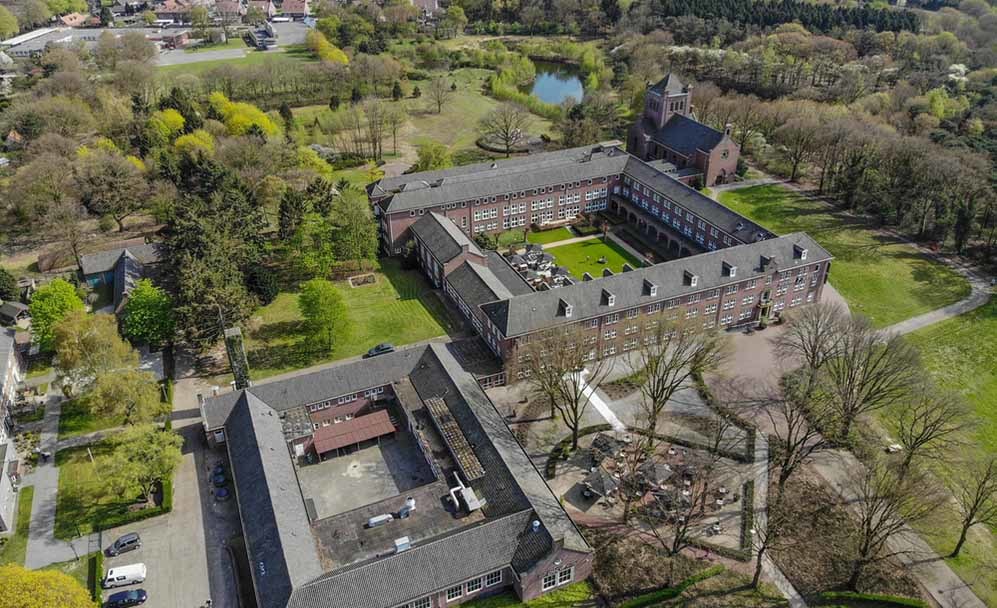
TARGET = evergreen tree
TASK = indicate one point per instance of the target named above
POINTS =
(356, 96)
(8, 286)
(287, 116)
(293, 207)
(334, 103)
(396, 91)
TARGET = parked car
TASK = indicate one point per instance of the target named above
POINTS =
(218, 470)
(222, 494)
(128, 542)
(124, 575)
(381, 349)
(124, 599)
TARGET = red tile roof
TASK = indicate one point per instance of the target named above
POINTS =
(352, 432)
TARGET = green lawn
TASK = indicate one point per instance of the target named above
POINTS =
(75, 420)
(82, 505)
(575, 595)
(583, 257)
(880, 278)
(284, 58)
(550, 236)
(235, 42)
(398, 308)
(14, 550)
(961, 354)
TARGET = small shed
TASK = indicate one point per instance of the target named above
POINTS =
(13, 312)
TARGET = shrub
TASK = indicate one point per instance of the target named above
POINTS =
(262, 282)
(655, 597)
(871, 598)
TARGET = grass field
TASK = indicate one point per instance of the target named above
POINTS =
(75, 420)
(235, 42)
(880, 278)
(961, 354)
(571, 596)
(398, 308)
(16, 547)
(583, 257)
(288, 59)
(550, 236)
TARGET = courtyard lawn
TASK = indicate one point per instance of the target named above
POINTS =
(880, 278)
(961, 354)
(76, 420)
(572, 596)
(16, 547)
(583, 257)
(550, 236)
(398, 308)
(83, 505)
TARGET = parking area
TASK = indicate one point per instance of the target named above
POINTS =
(185, 551)
(365, 476)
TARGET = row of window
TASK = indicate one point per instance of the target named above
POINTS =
(458, 591)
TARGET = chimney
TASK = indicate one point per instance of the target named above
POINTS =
(237, 358)
(728, 129)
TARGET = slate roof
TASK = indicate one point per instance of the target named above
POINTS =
(670, 84)
(685, 135)
(104, 261)
(127, 273)
(443, 238)
(512, 280)
(282, 551)
(7, 350)
(554, 168)
(276, 524)
(477, 285)
(541, 309)
(698, 203)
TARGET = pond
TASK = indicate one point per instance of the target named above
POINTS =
(556, 82)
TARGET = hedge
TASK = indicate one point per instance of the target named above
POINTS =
(654, 597)
(129, 517)
(95, 570)
(892, 600)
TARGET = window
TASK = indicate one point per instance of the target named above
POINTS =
(454, 593)
(473, 585)
(613, 318)
(565, 576)
(422, 602)
(550, 581)
(493, 578)
(609, 335)
(594, 323)
(632, 313)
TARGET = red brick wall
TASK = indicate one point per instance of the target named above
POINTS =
(715, 166)
(531, 585)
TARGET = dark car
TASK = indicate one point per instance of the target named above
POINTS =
(123, 599)
(222, 494)
(219, 480)
(126, 543)
(380, 349)
(218, 470)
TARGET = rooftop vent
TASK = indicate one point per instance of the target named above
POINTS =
(739, 226)
(536, 525)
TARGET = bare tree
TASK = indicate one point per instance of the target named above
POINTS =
(375, 111)
(811, 334)
(558, 367)
(885, 505)
(394, 120)
(798, 135)
(868, 372)
(438, 92)
(975, 490)
(796, 422)
(65, 222)
(507, 124)
(669, 356)
(929, 424)
(769, 533)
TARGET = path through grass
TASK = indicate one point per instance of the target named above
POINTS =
(881, 278)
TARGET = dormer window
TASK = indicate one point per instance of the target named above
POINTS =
(650, 288)
(729, 270)
(609, 298)
(566, 309)
(800, 252)
(690, 279)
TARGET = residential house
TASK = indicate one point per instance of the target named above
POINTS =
(266, 8)
(12, 313)
(121, 268)
(295, 9)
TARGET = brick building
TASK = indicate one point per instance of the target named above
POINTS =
(668, 132)
(722, 268)
(478, 520)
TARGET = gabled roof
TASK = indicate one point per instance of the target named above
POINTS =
(127, 273)
(443, 238)
(541, 309)
(12, 309)
(686, 135)
(477, 285)
(105, 261)
(670, 84)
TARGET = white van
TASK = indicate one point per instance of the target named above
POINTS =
(124, 575)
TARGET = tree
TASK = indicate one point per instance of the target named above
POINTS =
(670, 355)
(200, 20)
(293, 207)
(799, 137)
(559, 368)
(356, 231)
(885, 505)
(321, 194)
(8, 23)
(322, 307)
(975, 490)
(394, 120)
(396, 91)
(88, 345)
(432, 155)
(811, 335)
(141, 458)
(50, 305)
(507, 124)
(796, 423)
(416, 92)
(454, 20)
(23, 588)
(211, 296)
(8, 286)
(110, 184)
(439, 92)
(148, 315)
(287, 116)
(130, 395)
(868, 372)
(929, 424)
(34, 13)
(334, 102)
(262, 282)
